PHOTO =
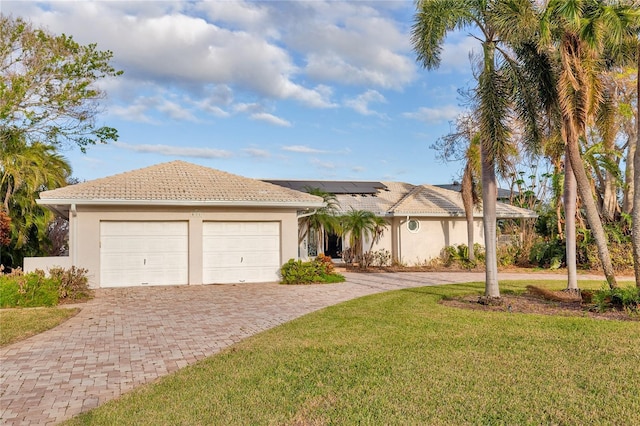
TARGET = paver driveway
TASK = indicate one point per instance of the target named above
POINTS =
(126, 337)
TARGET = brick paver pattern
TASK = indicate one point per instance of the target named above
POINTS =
(130, 336)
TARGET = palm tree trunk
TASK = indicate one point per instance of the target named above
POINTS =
(466, 191)
(586, 195)
(5, 203)
(489, 198)
(570, 196)
(629, 178)
(610, 207)
(635, 236)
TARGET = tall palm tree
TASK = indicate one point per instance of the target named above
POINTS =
(635, 238)
(580, 30)
(581, 34)
(432, 21)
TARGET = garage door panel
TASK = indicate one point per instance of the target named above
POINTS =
(241, 252)
(248, 275)
(139, 253)
(241, 228)
(240, 244)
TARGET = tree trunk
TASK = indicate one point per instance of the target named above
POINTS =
(635, 238)
(629, 178)
(570, 195)
(590, 207)
(489, 198)
(466, 191)
(610, 207)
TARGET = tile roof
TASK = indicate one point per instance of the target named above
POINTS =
(402, 199)
(179, 182)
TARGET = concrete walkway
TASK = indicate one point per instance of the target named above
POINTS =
(127, 337)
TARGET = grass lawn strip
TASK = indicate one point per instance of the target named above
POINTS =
(20, 323)
(402, 358)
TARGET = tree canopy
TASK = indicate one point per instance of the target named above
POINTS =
(48, 88)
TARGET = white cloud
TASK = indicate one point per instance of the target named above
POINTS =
(326, 165)
(435, 115)
(175, 151)
(204, 58)
(251, 108)
(175, 111)
(455, 54)
(358, 169)
(302, 149)
(271, 119)
(257, 153)
(143, 108)
(361, 103)
(352, 43)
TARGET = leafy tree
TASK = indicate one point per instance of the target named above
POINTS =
(48, 89)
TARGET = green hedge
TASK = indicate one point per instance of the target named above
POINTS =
(34, 289)
(28, 290)
(318, 270)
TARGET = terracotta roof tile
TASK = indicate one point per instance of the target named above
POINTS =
(181, 182)
(424, 200)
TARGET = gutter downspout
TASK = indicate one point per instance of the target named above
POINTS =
(308, 214)
(74, 231)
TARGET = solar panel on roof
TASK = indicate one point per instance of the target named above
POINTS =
(333, 187)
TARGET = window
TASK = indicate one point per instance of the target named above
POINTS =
(413, 225)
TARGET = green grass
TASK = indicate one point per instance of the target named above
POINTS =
(401, 358)
(18, 324)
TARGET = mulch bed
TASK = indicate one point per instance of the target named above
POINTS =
(563, 305)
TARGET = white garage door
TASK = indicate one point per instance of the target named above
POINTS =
(139, 253)
(240, 252)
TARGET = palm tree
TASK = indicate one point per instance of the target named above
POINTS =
(635, 238)
(323, 219)
(580, 30)
(360, 225)
(28, 166)
(463, 145)
(581, 34)
(379, 226)
(432, 21)
(469, 190)
(26, 169)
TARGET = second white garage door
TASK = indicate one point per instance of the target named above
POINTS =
(240, 252)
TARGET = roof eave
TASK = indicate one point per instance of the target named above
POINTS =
(450, 214)
(188, 203)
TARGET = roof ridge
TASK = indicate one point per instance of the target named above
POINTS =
(179, 181)
(412, 192)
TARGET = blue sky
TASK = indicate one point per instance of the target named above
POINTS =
(271, 89)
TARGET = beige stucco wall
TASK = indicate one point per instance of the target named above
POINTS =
(415, 248)
(434, 234)
(84, 234)
(45, 263)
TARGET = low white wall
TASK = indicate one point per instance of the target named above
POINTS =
(44, 263)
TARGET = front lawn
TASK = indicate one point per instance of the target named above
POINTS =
(19, 324)
(402, 358)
